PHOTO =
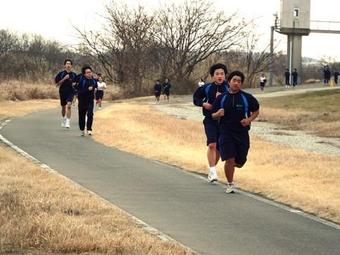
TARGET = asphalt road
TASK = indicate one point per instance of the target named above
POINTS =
(179, 204)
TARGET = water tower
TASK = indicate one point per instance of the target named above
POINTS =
(294, 22)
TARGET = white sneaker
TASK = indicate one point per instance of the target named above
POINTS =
(82, 133)
(212, 176)
(89, 132)
(230, 188)
(67, 123)
(63, 122)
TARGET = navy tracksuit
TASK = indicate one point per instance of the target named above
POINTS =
(234, 138)
(86, 101)
(207, 94)
(66, 90)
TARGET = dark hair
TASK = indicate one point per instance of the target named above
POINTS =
(236, 73)
(68, 60)
(84, 68)
(214, 67)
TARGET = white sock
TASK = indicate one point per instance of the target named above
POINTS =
(212, 169)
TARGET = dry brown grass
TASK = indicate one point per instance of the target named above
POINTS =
(41, 212)
(15, 109)
(15, 90)
(317, 112)
(19, 91)
(313, 180)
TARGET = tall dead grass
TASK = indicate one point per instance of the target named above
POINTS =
(302, 179)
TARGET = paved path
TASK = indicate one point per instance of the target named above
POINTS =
(175, 202)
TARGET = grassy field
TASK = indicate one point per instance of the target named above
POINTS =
(315, 111)
(302, 179)
(42, 213)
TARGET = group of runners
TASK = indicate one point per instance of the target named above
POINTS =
(86, 86)
(228, 112)
(164, 89)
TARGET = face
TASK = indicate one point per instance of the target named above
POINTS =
(166, 80)
(88, 73)
(100, 78)
(219, 76)
(235, 83)
(68, 65)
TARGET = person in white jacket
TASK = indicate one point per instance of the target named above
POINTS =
(100, 91)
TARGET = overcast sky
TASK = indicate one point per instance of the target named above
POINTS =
(54, 19)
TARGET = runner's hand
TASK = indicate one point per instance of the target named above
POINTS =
(90, 88)
(245, 122)
(207, 106)
(218, 93)
(220, 113)
(67, 76)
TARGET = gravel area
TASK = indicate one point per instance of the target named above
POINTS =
(182, 108)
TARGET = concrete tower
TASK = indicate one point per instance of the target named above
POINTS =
(295, 23)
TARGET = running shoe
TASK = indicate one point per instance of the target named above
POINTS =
(230, 188)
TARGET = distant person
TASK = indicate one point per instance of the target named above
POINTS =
(287, 78)
(100, 91)
(204, 97)
(263, 81)
(86, 87)
(65, 80)
(295, 77)
(326, 75)
(336, 75)
(166, 89)
(157, 90)
(235, 111)
(201, 82)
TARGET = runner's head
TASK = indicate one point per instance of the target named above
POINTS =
(68, 64)
(235, 80)
(158, 82)
(166, 80)
(100, 77)
(218, 72)
(87, 71)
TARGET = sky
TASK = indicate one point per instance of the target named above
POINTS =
(55, 19)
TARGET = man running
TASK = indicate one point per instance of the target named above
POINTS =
(157, 90)
(86, 87)
(65, 80)
(166, 89)
(295, 77)
(235, 110)
(204, 97)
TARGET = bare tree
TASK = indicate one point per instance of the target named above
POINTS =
(254, 59)
(189, 33)
(124, 45)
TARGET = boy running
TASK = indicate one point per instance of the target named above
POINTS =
(65, 80)
(100, 91)
(157, 90)
(86, 87)
(166, 89)
(235, 111)
(204, 97)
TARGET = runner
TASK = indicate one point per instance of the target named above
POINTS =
(235, 110)
(86, 87)
(287, 78)
(295, 76)
(204, 97)
(166, 89)
(263, 81)
(157, 90)
(100, 91)
(65, 80)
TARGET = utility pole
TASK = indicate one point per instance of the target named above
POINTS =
(271, 55)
